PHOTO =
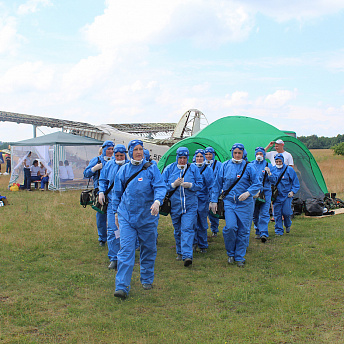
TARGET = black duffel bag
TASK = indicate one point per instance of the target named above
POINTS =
(261, 198)
(297, 205)
(314, 207)
(87, 196)
(165, 207)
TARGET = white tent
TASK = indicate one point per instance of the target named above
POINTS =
(54, 150)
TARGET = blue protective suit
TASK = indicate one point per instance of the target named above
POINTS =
(282, 205)
(261, 216)
(100, 218)
(238, 215)
(184, 206)
(107, 177)
(203, 196)
(135, 220)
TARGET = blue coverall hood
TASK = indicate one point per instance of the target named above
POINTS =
(199, 151)
(120, 149)
(182, 151)
(240, 146)
(106, 145)
(260, 149)
(279, 156)
(131, 145)
(210, 150)
(147, 154)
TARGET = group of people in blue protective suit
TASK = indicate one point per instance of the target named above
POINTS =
(135, 189)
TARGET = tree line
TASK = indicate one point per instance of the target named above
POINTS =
(322, 142)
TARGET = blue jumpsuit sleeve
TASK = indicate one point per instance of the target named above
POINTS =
(197, 185)
(272, 179)
(217, 185)
(166, 176)
(256, 185)
(158, 184)
(295, 187)
(88, 170)
(103, 178)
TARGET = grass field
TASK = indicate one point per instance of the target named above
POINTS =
(55, 286)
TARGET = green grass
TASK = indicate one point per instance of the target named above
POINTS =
(55, 286)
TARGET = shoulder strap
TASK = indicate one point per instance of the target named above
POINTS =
(203, 169)
(225, 193)
(174, 190)
(98, 162)
(109, 189)
(265, 174)
(281, 175)
(214, 164)
(144, 167)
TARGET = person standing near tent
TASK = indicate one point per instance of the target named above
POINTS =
(287, 185)
(93, 171)
(106, 181)
(279, 146)
(139, 191)
(27, 174)
(239, 180)
(261, 216)
(215, 166)
(186, 180)
(203, 195)
(8, 164)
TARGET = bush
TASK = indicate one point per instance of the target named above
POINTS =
(338, 148)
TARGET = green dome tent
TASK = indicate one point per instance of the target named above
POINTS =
(223, 133)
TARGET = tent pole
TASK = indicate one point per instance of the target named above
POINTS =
(34, 130)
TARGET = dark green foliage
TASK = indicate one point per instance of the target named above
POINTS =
(338, 148)
(322, 142)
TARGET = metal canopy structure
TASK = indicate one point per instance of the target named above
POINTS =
(38, 121)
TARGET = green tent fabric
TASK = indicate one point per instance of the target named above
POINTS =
(58, 138)
(223, 133)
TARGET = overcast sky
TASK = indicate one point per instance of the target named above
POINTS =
(124, 61)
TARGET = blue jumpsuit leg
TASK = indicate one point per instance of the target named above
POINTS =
(101, 225)
(214, 223)
(230, 230)
(202, 225)
(113, 243)
(244, 220)
(287, 211)
(147, 238)
(278, 217)
(176, 221)
(187, 227)
(126, 255)
(264, 216)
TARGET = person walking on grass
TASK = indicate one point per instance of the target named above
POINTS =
(93, 171)
(287, 185)
(238, 179)
(139, 191)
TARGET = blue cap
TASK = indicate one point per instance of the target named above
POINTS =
(106, 145)
(210, 150)
(279, 156)
(238, 145)
(199, 151)
(260, 149)
(182, 151)
(132, 144)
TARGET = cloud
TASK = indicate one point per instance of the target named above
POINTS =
(32, 6)
(277, 99)
(27, 77)
(9, 37)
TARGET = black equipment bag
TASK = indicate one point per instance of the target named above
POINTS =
(274, 189)
(165, 207)
(220, 213)
(86, 197)
(314, 207)
(297, 206)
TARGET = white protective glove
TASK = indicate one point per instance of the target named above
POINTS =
(186, 185)
(267, 169)
(177, 182)
(96, 167)
(213, 207)
(243, 196)
(290, 194)
(155, 208)
(101, 198)
(116, 221)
